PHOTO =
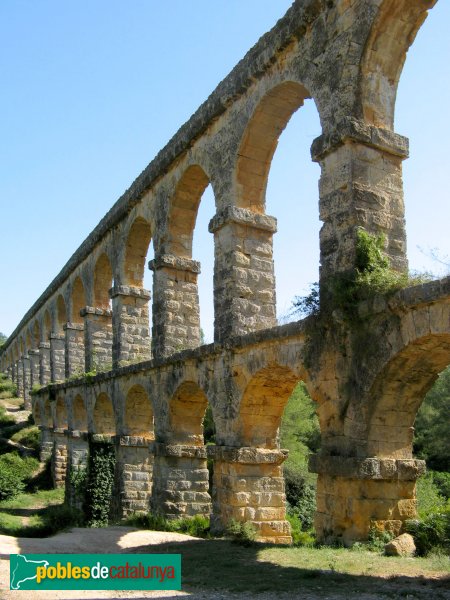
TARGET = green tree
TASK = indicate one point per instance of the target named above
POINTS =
(3, 338)
(432, 426)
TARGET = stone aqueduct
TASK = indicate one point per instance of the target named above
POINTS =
(150, 393)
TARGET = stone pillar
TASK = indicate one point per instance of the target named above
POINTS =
(134, 475)
(244, 281)
(77, 463)
(180, 481)
(57, 356)
(46, 450)
(98, 338)
(176, 311)
(59, 457)
(34, 367)
(249, 486)
(360, 186)
(74, 350)
(19, 378)
(26, 382)
(131, 335)
(357, 494)
(44, 363)
(12, 372)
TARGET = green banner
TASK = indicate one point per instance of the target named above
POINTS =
(95, 572)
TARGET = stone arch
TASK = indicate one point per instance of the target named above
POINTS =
(61, 313)
(102, 281)
(262, 405)
(138, 413)
(61, 414)
(36, 334)
(104, 418)
(47, 419)
(392, 34)
(79, 414)
(137, 244)
(46, 326)
(398, 392)
(78, 297)
(260, 141)
(186, 414)
(37, 413)
(183, 211)
(28, 345)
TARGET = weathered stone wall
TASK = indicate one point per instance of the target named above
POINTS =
(367, 376)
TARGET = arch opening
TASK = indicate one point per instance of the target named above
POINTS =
(104, 418)
(103, 278)
(137, 245)
(138, 413)
(61, 313)
(187, 414)
(78, 300)
(61, 414)
(79, 415)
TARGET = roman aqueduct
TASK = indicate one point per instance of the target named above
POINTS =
(148, 394)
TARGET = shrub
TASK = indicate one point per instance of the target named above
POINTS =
(99, 488)
(29, 437)
(5, 418)
(243, 533)
(14, 472)
(299, 537)
(197, 526)
(429, 499)
(301, 498)
(431, 533)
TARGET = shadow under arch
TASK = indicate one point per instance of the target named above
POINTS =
(138, 417)
(60, 414)
(260, 140)
(103, 415)
(398, 392)
(262, 405)
(186, 413)
(103, 277)
(79, 414)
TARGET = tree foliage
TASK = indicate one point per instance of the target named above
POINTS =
(432, 426)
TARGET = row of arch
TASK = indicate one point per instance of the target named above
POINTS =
(238, 178)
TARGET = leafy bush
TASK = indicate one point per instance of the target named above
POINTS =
(431, 533)
(29, 437)
(99, 489)
(197, 526)
(442, 482)
(5, 418)
(8, 388)
(14, 473)
(429, 499)
(241, 533)
(299, 537)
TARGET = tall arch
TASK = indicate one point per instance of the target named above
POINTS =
(61, 313)
(183, 211)
(36, 335)
(392, 34)
(102, 281)
(46, 326)
(78, 300)
(260, 141)
(137, 244)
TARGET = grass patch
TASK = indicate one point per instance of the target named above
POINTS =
(223, 565)
(29, 437)
(197, 526)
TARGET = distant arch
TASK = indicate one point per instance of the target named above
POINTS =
(36, 334)
(37, 413)
(47, 419)
(61, 313)
(47, 326)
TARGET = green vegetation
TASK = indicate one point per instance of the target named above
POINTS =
(197, 526)
(15, 472)
(99, 485)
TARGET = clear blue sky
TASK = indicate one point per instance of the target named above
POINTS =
(92, 90)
